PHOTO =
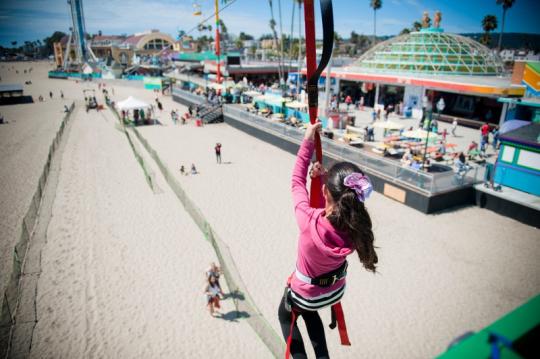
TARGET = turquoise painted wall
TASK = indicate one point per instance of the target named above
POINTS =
(511, 174)
(512, 177)
(62, 74)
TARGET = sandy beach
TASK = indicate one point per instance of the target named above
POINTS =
(24, 145)
(440, 275)
(122, 270)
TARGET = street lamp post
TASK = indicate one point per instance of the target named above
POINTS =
(440, 108)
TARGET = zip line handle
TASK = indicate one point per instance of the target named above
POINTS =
(327, 15)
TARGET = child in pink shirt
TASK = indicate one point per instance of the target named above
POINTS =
(327, 236)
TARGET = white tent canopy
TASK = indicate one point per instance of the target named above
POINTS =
(132, 103)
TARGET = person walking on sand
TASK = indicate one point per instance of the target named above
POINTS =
(327, 236)
(183, 171)
(454, 127)
(215, 271)
(61, 94)
(50, 94)
(211, 289)
(217, 149)
(193, 169)
(484, 133)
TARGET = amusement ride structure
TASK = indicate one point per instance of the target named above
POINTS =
(84, 57)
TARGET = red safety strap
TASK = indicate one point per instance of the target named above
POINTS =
(337, 310)
(289, 339)
(316, 198)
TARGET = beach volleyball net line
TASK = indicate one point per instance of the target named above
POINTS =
(243, 302)
(13, 292)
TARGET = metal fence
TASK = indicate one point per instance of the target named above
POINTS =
(12, 294)
(244, 304)
(190, 97)
(428, 183)
(149, 175)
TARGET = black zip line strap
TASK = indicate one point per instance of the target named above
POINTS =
(327, 15)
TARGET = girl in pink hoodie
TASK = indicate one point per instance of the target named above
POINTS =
(327, 236)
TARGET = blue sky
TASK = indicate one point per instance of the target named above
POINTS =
(35, 19)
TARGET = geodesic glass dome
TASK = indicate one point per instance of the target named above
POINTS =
(431, 51)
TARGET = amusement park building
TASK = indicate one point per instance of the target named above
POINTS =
(122, 48)
(431, 63)
(144, 44)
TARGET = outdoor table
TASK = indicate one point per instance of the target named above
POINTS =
(357, 143)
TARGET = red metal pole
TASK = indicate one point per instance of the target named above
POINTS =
(316, 198)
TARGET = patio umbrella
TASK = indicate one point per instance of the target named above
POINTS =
(389, 125)
(252, 93)
(296, 105)
(420, 134)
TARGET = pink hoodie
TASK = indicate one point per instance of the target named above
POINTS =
(321, 248)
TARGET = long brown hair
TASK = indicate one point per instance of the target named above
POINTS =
(350, 215)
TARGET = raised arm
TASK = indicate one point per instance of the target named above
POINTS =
(302, 209)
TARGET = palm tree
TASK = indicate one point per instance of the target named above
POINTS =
(300, 3)
(506, 4)
(405, 31)
(489, 23)
(291, 42)
(375, 5)
(273, 27)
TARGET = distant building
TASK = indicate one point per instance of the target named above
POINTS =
(268, 44)
(142, 44)
(249, 43)
(101, 45)
(186, 44)
(519, 55)
(428, 65)
(122, 49)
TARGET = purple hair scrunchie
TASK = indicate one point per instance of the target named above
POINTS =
(360, 183)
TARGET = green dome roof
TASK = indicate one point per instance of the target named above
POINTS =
(431, 51)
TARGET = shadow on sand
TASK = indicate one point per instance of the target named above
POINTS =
(233, 316)
(234, 295)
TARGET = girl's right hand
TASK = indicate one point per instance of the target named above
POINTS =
(311, 129)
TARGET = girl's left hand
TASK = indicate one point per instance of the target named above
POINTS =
(311, 129)
(317, 170)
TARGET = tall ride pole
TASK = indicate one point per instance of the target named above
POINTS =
(218, 52)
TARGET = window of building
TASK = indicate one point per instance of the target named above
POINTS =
(508, 154)
(156, 44)
(529, 159)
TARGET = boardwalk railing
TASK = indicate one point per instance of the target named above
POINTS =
(186, 97)
(427, 183)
